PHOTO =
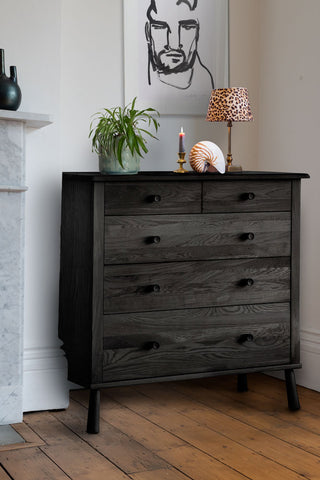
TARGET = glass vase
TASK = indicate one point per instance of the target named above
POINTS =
(110, 164)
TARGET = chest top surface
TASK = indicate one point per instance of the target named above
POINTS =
(147, 176)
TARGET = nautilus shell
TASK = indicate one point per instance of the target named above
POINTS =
(206, 156)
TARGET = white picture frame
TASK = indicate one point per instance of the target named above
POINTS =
(175, 79)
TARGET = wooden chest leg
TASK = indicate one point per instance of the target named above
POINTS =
(292, 394)
(94, 411)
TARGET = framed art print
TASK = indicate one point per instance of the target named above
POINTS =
(175, 53)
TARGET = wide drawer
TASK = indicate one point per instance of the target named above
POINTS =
(148, 238)
(152, 197)
(199, 340)
(247, 196)
(147, 287)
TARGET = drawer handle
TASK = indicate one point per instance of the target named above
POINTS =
(153, 288)
(247, 236)
(153, 239)
(246, 282)
(152, 346)
(245, 337)
(248, 196)
(154, 198)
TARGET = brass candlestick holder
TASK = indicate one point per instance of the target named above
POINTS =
(181, 161)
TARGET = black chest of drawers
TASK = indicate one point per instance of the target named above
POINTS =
(167, 277)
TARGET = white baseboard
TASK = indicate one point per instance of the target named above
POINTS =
(45, 385)
(309, 375)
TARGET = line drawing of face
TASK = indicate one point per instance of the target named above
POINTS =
(172, 48)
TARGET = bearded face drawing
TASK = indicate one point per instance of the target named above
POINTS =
(173, 56)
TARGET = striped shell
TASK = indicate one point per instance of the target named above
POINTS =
(205, 155)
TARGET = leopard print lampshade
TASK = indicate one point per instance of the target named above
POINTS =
(229, 104)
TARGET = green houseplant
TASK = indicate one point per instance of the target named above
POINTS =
(119, 139)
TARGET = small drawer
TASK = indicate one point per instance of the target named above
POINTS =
(149, 287)
(150, 238)
(141, 198)
(247, 196)
(202, 340)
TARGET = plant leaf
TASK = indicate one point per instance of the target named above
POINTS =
(142, 144)
(113, 128)
(119, 150)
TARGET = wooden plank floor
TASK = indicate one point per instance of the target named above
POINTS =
(199, 430)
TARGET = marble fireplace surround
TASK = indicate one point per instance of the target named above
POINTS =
(13, 127)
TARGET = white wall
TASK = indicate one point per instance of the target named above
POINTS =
(69, 59)
(92, 78)
(30, 33)
(244, 72)
(91, 74)
(289, 127)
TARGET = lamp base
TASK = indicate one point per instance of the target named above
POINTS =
(233, 168)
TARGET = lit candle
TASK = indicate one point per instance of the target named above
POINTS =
(181, 141)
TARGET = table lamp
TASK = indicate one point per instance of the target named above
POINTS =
(229, 105)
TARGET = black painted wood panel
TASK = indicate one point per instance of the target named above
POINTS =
(97, 286)
(247, 196)
(152, 197)
(295, 276)
(192, 341)
(150, 238)
(169, 176)
(76, 267)
(144, 287)
(128, 328)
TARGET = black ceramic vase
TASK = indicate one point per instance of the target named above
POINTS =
(10, 93)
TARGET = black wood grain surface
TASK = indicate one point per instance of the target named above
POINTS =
(155, 198)
(247, 196)
(154, 238)
(195, 284)
(169, 176)
(76, 266)
(211, 339)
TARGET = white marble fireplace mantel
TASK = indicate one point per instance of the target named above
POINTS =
(32, 120)
(13, 127)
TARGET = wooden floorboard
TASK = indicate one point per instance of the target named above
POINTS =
(271, 403)
(256, 439)
(293, 429)
(195, 430)
(112, 443)
(163, 409)
(3, 474)
(31, 439)
(30, 464)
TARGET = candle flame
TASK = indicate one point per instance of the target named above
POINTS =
(181, 131)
